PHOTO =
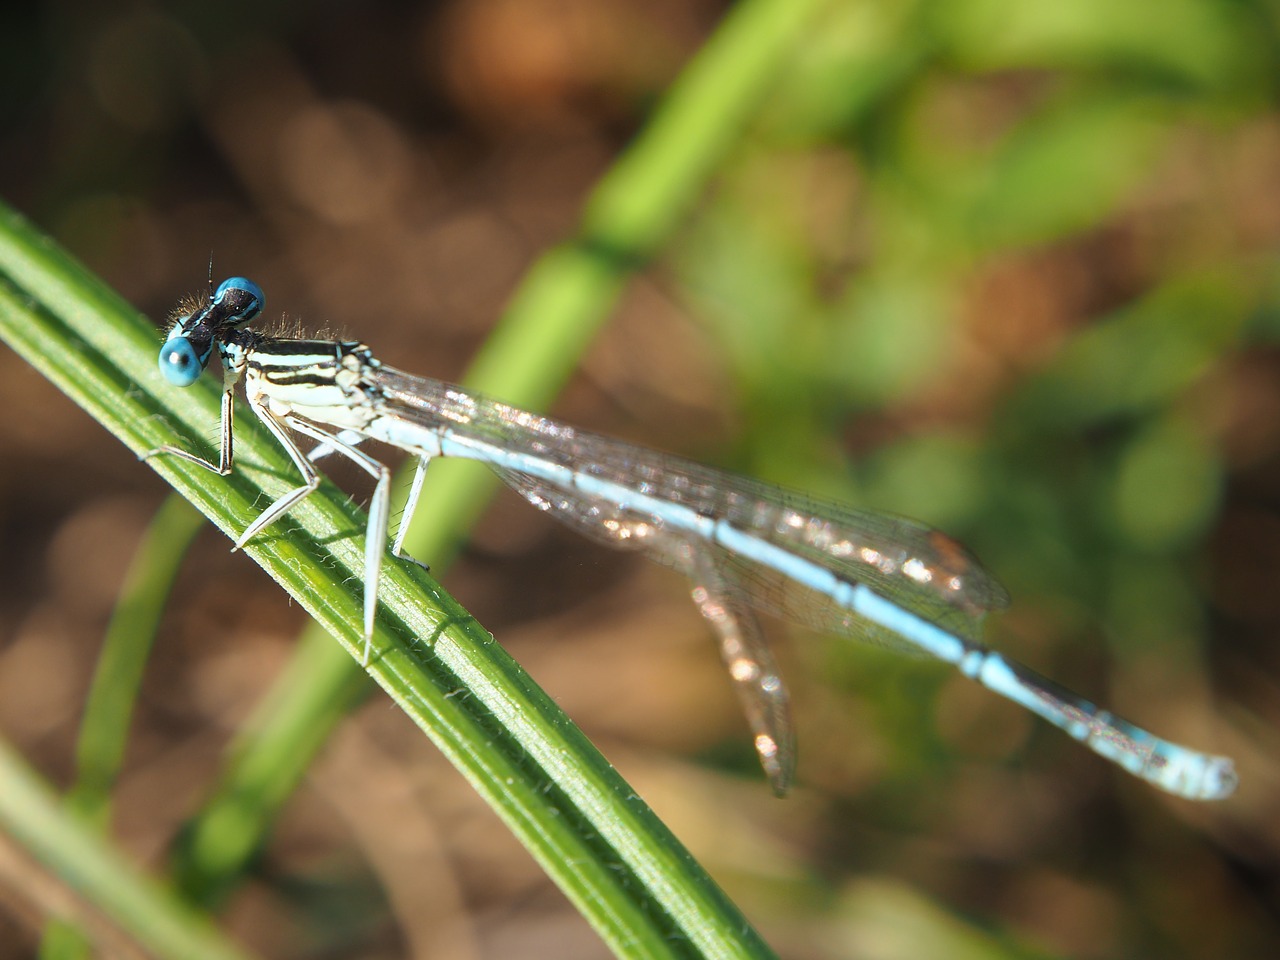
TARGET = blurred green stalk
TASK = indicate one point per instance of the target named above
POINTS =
(103, 883)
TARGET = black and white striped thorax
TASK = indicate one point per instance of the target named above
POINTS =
(323, 380)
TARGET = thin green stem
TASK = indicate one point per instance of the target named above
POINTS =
(104, 728)
(107, 893)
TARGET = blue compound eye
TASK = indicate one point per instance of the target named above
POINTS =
(239, 300)
(180, 363)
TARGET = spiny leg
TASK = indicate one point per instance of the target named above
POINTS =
(410, 506)
(379, 516)
(225, 453)
(379, 508)
(285, 503)
(326, 448)
(354, 439)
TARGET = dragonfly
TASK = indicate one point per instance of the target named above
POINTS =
(745, 545)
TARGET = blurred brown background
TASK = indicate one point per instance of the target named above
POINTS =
(1010, 271)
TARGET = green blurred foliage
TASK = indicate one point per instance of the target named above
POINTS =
(1010, 268)
(1011, 254)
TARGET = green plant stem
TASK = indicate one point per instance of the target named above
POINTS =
(104, 728)
(108, 886)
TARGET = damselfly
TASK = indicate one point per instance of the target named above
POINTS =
(742, 543)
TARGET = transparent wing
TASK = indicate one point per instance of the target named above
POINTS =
(919, 580)
(919, 567)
